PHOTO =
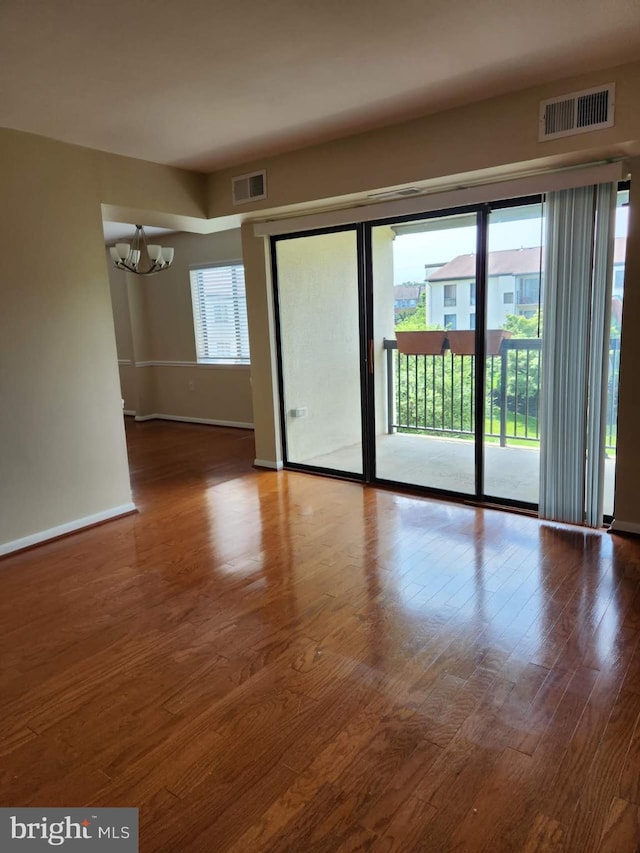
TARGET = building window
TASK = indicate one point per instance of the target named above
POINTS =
(220, 313)
(450, 295)
(507, 298)
(472, 321)
(528, 291)
(450, 321)
(472, 293)
(618, 278)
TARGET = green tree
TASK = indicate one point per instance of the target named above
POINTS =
(416, 321)
(523, 327)
(523, 376)
(436, 393)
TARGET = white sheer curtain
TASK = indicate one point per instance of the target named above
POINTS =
(576, 316)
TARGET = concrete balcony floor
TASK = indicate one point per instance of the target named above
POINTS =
(447, 463)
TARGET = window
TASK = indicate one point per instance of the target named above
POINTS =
(450, 321)
(507, 298)
(449, 295)
(529, 290)
(220, 313)
(472, 321)
(472, 293)
(618, 278)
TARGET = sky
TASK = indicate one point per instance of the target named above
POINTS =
(412, 251)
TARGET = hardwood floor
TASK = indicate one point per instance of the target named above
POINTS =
(282, 662)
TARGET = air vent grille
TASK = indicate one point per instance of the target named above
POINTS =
(578, 112)
(251, 187)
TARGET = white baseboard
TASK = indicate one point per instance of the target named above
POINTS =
(181, 419)
(624, 527)
(130, 412)
(267, 463)
(69, 527)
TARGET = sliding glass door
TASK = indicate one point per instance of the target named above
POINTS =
(412, 350)
(320, 343)
(613, 362)
(424, 305)
(513, 344)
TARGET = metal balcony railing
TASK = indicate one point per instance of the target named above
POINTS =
(435, 394)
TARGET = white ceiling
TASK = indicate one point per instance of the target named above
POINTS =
(204, 84)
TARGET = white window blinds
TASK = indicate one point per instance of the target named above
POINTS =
(220, 313)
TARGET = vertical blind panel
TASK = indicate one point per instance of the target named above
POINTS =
(220, 313)
(577, 307)
(565, 354)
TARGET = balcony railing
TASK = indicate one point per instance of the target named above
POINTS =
(435, 394)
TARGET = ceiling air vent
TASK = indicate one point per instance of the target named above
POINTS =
(249, 187)
(578, 112)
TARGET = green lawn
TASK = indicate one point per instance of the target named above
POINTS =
(518, 424)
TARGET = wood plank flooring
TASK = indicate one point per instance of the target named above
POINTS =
(281, 662)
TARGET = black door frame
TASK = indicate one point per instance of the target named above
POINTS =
(367, 362)
(482, 211)
(367, 472)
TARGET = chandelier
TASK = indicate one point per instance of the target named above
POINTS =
(127, 256)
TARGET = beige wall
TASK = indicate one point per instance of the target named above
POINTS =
(153, 321)
(121, 313)
(62, 448)
(495, 134)
(168, 295)
(161, 192)
(220, 394)
(264, 374)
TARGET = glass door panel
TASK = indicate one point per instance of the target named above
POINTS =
(320, 350)
(424, 308)
(617, 295)
(513, 339)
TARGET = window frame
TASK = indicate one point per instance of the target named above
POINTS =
(525, 283)
(236, 303)
(451, 300)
